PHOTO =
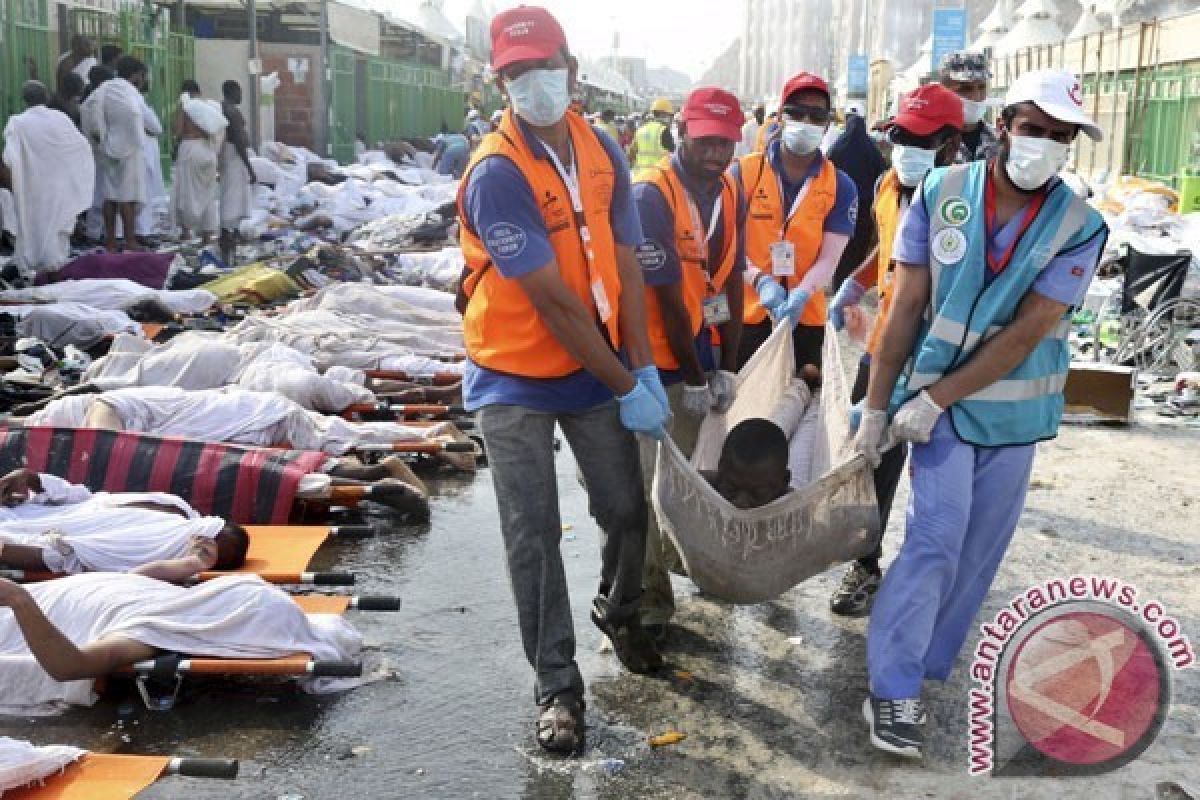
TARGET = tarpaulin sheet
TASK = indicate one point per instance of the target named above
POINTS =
(245, 485)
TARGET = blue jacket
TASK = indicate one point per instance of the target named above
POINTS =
(966, 309)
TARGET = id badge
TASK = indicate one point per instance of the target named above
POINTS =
(601, 301)
(716, 310)
(783, 259)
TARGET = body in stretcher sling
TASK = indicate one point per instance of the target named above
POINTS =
(828, 517)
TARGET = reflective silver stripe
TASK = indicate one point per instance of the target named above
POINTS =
(1015, 391)
(1062, 330)
(954, 333)
(920, 380)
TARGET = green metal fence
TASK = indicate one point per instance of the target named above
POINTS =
(404, 100)
(1165, 137)
(342, 122)
(25, 51)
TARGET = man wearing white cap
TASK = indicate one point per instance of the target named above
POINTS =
(991, 257)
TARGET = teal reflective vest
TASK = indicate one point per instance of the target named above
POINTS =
(965, 310)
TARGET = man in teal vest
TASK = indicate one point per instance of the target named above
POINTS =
(991, 257)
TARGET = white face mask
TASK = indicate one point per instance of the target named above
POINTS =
(1032, 161)
(540, 96)
(912, 163)
(802, 138)
(973, 112)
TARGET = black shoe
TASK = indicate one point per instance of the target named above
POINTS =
(656, 631)
(633, 646)
(857, 592)
(560, 726)
(896, 725)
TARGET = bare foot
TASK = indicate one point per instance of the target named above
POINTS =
(398, 468)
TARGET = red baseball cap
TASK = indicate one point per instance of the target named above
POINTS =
(928, 109)
(710, 111)
(802, 81)
(525, 33)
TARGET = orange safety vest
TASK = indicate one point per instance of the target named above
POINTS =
(692, 249)
(887, 221)
(760, 138)
(502, 329)
(765, 223)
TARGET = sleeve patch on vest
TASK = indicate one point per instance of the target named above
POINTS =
(651, 256)
(505, 240)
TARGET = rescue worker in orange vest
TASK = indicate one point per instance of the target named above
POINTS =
(801, 215)
(692, 262)
(552, 291)
(924, 134)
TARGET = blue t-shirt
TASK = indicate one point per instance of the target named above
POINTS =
(841, 218)
(659, 257)
(1064, 280)
(503, 213)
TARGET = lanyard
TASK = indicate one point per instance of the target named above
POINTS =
(570, 179)
(800, 195)
(698, 225)
(996, 266)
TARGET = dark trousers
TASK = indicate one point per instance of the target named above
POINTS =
(808, 341)
(887, 474)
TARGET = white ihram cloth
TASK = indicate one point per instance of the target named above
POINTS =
(60, 324)
(156, 190)
(195, 192)
(236, 190)
(197, 360)
(103, 533)
(22, 764)
(79, 531)
(237, 416)
(238, 616)
(112, 294)
(112, 117)
(53, 173)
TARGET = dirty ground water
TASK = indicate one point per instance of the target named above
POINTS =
(772, 707)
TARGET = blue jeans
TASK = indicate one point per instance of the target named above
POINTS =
(963, 512)
(520, 449)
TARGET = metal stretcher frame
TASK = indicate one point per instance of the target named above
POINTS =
(104, 776)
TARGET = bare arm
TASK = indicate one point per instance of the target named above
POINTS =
(679, 332)
(909, 301)
(101, 415)
(632, 311)
(574, 327)
(236, 135)
(1004, 352)
(57, 654)
(173, 570)
(731, 332)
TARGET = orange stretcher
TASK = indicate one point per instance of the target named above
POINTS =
(436, 379)
(277, 553)
(402, 411)
(102, 776)
(169, 669)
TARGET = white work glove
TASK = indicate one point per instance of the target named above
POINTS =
(724, 389)
(697, 400)
(872, 427)
(915, 420)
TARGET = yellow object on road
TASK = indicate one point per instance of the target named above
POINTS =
(664, 739)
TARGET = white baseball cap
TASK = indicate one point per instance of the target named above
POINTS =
(1056, 92)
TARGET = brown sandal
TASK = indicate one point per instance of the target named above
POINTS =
(560, 727)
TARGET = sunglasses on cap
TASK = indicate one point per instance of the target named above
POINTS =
(817, 115)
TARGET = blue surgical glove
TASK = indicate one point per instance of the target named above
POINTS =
(649, 376)
(794, 307)
(850, 293)
(771, 295)
(641, 412)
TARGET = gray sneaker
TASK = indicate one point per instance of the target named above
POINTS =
(857, 592)
(896, 725)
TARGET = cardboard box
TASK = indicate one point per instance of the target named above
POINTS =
(1099, 393)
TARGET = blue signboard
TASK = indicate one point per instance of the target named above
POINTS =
(856, 76)
(949, 33)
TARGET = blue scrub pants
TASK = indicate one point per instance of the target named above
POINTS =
(963, 511)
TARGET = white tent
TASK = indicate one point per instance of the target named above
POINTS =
(1087, 24)
(992, 29)
(1037, 24)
